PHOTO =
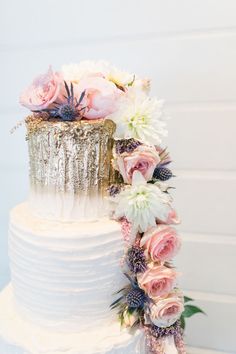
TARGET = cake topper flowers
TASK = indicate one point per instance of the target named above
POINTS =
(98, 90)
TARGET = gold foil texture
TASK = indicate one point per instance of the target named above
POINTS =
(70, 156)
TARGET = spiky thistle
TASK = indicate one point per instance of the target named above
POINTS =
(132, 296)
(68, 110)
(136, 260)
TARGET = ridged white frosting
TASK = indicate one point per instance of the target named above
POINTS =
(17, 336)
(64, 274)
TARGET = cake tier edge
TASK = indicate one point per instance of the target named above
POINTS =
(17, 336)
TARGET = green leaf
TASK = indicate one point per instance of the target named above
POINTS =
(190, 310)
(187, 299)
(182, 322)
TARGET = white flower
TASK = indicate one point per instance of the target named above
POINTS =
(119, 77)
(142, 203)
(129, 318)
(75, 72)
(139, 117)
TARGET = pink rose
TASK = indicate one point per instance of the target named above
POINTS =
(157, 281)
(100, 96)
(172, 218)
(167, 311)
(143, 159)
(43, 91)
(161, 243)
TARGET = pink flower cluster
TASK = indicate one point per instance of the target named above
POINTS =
(161, 244)
(100, 94)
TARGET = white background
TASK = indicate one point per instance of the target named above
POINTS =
(188, 48)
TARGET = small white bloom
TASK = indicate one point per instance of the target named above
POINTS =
(142, 203)
(75, 72)
(129, 319)
(140, 117)
(119, 77)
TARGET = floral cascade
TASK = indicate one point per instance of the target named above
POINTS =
(141, 202)
(151, 300)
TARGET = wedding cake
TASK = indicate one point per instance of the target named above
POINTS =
(94, 237)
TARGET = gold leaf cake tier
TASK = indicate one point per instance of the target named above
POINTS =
(70, 167)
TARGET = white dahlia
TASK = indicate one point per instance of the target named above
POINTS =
(142, 203)
(140, 117)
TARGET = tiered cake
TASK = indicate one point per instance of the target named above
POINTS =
(64, 250)
(99, 205)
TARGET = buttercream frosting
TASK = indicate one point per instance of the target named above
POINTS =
(18, 336)
(64, 274)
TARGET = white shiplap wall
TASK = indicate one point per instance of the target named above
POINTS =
(188, 48)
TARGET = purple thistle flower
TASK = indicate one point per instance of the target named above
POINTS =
(136, 298)
(69, 110)
(136, 260)
(126, 145)
(162, 173)
(159, 332)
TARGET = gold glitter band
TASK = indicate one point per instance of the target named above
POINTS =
(70, 156)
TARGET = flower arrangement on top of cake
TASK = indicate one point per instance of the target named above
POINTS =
(98, 90)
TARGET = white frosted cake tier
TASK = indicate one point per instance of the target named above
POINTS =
(18, 336)
(64, 274)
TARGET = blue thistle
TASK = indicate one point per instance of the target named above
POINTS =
(69, 110)
(136, 298)
(132, 296)
(162, 173)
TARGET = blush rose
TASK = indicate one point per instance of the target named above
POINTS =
(143, 159)
(100, 96)
(43, 92)
(157, 281)
(161, 243)
(167, 311)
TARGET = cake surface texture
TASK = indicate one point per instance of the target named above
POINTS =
(63, 273)
(91, 249)
(70, 168)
